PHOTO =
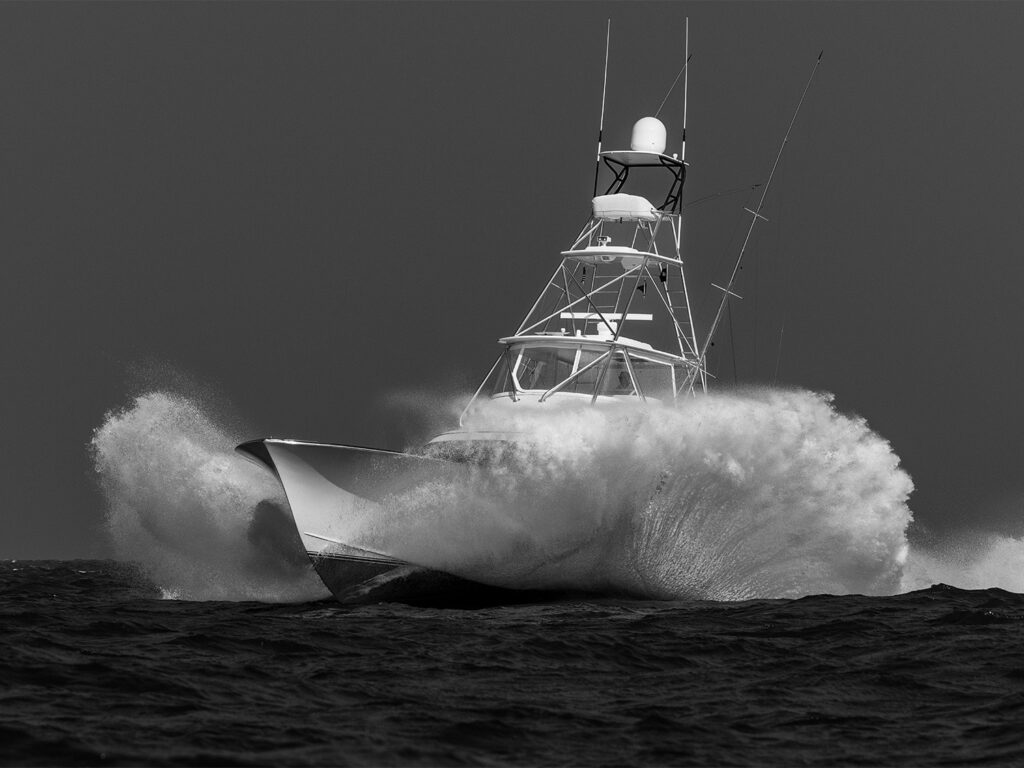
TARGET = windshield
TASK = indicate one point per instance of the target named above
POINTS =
(543, 367)
(535, 367)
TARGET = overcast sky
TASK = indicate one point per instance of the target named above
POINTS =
(309, 206)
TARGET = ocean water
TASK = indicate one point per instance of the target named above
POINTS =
(758, 598)
(99, 668)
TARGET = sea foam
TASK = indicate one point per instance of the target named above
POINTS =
(760, 493)
(205, 523)
(968, 560)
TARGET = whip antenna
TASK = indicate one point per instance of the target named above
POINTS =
(686, 88)
(727, 290)
(604, 91)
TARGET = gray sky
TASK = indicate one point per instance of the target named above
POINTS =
(289, 202)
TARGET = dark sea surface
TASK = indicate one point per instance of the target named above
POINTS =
(97, 668)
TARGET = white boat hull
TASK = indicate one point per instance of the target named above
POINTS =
(334, 492)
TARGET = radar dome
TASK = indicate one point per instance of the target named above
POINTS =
(648, 136)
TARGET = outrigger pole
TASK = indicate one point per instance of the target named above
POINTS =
(604, 91)
(727, 290)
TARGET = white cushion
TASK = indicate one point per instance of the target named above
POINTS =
(622, 207)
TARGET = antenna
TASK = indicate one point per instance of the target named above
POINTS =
(727, 290)
(686, 88)
(604, 90)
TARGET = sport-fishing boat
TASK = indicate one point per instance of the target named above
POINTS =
(612, 326)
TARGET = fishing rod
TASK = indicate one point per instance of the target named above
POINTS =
(756, 215)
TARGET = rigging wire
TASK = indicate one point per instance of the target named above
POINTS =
(716, 195)
(757, 292)
(778, 355)
(669, 93)
(789, 277)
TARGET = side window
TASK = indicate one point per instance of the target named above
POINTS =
(501, 379)
(655, 379)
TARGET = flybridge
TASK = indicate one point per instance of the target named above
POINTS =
(620, 282)
(619, 291)
(623, 272)
(593, 331)
(615, 321)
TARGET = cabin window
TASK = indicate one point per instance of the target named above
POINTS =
(681, 374)
(655, 379)
(540, 368)
(617, 380)
(543, 367)
(587, 381)
(502, 377)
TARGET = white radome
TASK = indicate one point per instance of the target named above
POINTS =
(649, 135)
